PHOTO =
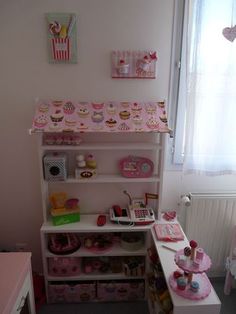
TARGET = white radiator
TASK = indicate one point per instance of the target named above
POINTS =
(209, 220)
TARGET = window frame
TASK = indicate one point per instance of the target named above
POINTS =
(176, 88)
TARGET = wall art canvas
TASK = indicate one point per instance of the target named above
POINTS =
(133, 64)
(62, 37)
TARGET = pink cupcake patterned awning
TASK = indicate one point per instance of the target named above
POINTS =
(66, 115)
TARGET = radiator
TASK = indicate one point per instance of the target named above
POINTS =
(209, 220)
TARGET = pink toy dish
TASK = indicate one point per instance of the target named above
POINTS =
(136, 167)
(63, 243)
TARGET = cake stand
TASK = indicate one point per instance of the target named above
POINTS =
(196, 272)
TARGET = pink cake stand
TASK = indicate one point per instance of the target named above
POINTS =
(196, 273)
(203, 292)
(189, 266)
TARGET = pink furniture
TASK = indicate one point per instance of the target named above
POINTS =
(231, 264)
(16, 283)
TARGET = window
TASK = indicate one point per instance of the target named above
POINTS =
(205, 123)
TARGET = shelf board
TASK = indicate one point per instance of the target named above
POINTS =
(104, 146)
(109, 178)
(115, 250)
(103, 276)
(88, 223)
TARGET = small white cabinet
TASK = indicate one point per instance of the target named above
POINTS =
(126, 268)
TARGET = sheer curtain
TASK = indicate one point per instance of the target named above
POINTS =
(210, 132)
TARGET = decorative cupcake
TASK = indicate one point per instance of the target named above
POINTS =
(97, 106)
(68, 107)
(70, 121)
(57, 103)
(124, 127)
(124, 115)
(137, 119)
(111, 123)
(43, 107)
(161, 104)
(83, 112)
(150, 108)
(152, 124)
(97, 116)
(194, 286)
(57, 116)
(111, 109)
(136, 108)
(125, 104)
(181, 283)
(82, 126)
(41, 121)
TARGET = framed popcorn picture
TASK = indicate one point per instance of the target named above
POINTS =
(62, 37)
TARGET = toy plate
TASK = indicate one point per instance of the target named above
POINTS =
(136, 167)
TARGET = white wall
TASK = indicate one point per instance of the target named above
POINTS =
(25, 73)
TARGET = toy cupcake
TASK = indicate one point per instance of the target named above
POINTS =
(181, 283)
(194, 286)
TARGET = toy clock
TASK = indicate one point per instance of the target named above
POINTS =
(190, 280)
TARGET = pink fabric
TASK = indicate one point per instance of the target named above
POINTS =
(58, 116)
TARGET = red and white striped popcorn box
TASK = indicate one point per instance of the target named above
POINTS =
(61, 48)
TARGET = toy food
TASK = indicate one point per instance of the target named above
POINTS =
(193, 245)
(194, 286)
(187, 251)
(181, 283)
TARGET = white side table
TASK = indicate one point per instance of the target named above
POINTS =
(16, 285)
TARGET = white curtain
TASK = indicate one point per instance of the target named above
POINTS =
(210, 137)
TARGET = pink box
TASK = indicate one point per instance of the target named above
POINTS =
(120, 290)
(64, 266)
(72, 292)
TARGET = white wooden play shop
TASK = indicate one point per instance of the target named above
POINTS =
(101, 167)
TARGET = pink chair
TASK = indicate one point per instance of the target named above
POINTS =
(231, 264)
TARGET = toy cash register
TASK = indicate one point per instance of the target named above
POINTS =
(137, 213)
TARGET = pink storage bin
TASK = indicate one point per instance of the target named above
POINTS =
(72, 292)
(64, 266)
(120, 290)
(57, 293)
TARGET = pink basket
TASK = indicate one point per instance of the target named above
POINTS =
(116, 291)
(61, 48)
(64, 266)
(69, 292)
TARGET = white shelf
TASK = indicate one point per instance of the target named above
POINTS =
(103, 276)
(109, 178)
(115, 250)
(88, 224)
(103, 146)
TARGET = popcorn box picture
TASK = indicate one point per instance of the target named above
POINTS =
(61, 48)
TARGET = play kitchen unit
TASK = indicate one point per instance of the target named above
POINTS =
(104, 237)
